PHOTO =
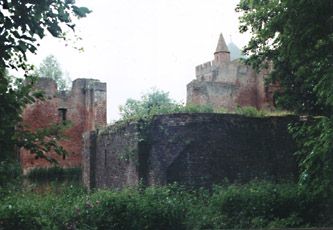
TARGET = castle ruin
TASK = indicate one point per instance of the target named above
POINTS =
(84, 106)
(198, 149)
(223, 83)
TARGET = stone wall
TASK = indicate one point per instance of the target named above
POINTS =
(84, 106)
(192, 149)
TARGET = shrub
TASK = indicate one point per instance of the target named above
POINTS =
(262, 205)
(254, 205)
(153, 208)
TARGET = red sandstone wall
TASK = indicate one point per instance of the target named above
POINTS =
(43, 114)
(86, 107)
(247, 91)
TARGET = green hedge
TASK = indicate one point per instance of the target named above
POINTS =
(255, 205)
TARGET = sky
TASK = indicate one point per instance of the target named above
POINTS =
(135, 46)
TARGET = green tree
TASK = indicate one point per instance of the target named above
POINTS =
(296, 37)
(157, 102)
(23, 23)
(151, 103)
(50, 68)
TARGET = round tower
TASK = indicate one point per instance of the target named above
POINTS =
(222, 53)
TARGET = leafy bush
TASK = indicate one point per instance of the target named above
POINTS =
(254, 205)
(314, 138)
(153, 208)
(259, 205)
(26, 210)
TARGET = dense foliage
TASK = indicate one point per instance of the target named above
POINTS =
(256, 205)
(14, 95)
(315, 141)
(23, 23)
(296, 38)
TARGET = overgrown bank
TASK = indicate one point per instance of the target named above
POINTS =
(255, 205)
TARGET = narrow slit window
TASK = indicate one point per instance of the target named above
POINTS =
(62, 114)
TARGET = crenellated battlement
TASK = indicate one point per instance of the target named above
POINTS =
(204, 69)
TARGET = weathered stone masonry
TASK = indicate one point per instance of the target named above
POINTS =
(192, 149)
(226, 83)
(84, 106)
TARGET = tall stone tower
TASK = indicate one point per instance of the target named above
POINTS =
(84, 107)
(223, 83)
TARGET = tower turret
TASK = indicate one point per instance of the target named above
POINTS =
(222, 53)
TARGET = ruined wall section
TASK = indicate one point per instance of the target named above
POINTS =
(100, 103)
(72, 106)
(266, 90)
(216, 94)
(248, 82)
(111, 157)
(234, 84)
(195, 150)
(229, 84)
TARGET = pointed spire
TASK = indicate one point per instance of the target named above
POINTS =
(221, 45)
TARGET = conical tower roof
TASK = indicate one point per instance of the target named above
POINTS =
(221, 46)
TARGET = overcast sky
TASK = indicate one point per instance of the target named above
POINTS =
(137, 45)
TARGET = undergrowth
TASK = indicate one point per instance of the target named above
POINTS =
(254, 205)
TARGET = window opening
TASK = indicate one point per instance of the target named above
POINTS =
(62, 114)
